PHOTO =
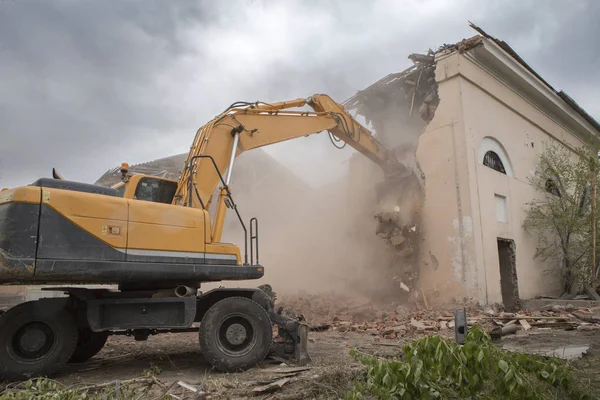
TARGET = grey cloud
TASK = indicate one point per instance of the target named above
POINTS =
(86, 85)
(557, 38)
(79, 80)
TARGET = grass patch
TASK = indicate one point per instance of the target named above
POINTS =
(143, 387)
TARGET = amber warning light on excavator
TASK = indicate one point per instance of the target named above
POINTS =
(124, 171)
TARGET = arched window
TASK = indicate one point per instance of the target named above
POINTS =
(492, 160)
(493, 155)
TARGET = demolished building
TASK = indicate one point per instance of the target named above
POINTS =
(470, 119)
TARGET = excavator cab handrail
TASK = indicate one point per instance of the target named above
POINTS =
(253, 239)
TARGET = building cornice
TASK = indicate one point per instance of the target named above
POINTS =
(492, 58)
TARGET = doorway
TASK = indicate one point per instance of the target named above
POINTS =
(508, 275)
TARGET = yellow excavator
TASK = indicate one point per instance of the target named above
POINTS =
(154, 241)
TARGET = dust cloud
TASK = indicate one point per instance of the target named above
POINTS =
(361, 234)
(322, 240)
(308, 239)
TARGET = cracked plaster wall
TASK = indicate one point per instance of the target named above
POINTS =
(459, 214)
(446, 214)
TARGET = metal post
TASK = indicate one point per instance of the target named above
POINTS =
(460, 325)
(236, 139)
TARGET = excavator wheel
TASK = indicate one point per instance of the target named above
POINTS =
(37, 338)
(235, 334)
(88, 345)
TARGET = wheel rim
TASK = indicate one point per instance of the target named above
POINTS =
(236, 335)
(33, 340)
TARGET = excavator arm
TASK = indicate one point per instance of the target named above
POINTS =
(246, 126)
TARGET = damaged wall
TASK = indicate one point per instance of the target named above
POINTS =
(446, 215)
(488, 100)
(495, 114)
(398, 107)
(470, 206)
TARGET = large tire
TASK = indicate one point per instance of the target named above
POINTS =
(88, 345)
(235, 334)
(37, 338)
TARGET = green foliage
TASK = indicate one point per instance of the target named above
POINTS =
(560, 216)
(438, 368)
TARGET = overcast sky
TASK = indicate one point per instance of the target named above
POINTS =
(86, 85)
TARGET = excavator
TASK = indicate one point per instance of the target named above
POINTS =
(153, 242)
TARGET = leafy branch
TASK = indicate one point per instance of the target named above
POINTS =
(438, 368)
(559, 217)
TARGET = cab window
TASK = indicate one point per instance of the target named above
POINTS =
(121, 190)
(155, 190)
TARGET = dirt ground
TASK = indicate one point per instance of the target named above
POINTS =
(176, 357)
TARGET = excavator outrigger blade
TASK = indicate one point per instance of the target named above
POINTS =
(292, 339)
(291, 342)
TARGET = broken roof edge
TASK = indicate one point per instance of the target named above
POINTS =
(352, 102)
(469, 45)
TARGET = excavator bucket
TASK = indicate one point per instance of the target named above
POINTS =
(399, 183)
(399, 202)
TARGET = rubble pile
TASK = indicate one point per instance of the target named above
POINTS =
(550, 317)
(389, 321)
(399, 107)
(393, 320)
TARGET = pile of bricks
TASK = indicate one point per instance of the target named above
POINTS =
(389, 321)
(393, 321)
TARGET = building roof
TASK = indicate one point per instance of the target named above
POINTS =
(167, 167)
(505, 46)
(363, 97)
(252, 169)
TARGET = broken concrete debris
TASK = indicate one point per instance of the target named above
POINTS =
(499, 332)
(392, 321)
(405, 101)
(281, 376)
(525, 324)
(271, 387)
(421, 326)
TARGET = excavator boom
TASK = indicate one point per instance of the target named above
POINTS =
(246, 126)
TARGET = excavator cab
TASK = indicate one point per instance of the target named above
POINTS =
(147, 188)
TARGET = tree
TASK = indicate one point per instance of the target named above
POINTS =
(560, 216)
